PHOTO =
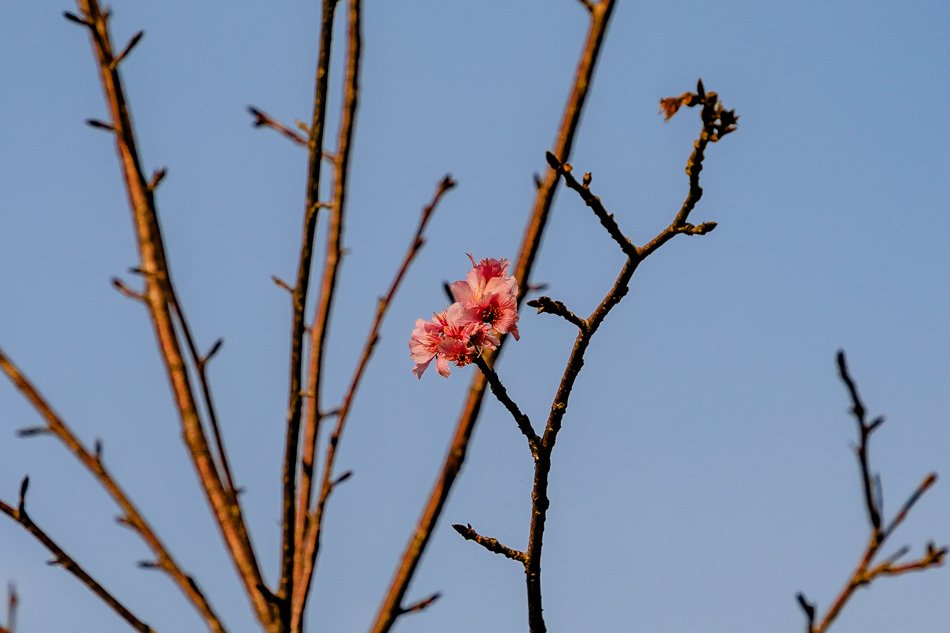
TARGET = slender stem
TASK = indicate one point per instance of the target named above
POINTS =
(497, 388)
(130, 513)
(291, 522)
(160, 298)
(390, 608)
(311, 545)
(61, 558)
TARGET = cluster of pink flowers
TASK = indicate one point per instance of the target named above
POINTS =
(485, 307)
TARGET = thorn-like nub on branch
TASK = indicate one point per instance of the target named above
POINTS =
(30, 431)
(260, 118)
(586, 180)
(100, 125)
(806, 606)
(147, 564)
(339, 480)
(72, 17)
(157, 177)
(421, 604)
(24, 486)
(447, 183)
(128, 48)
(214, 350)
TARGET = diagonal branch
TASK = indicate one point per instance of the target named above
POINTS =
(592, 201)
(491, 544)
(131, 515)
(524, 424)
(63, 559)
(163, 305)
(389, 609)
(262, 119)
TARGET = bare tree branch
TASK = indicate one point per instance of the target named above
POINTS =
(131, 516)
(389, 609)
(65, 561)
(166, 314)
(866, 571)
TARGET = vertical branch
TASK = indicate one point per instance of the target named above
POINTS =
(866, 571)
(160, 299)
(292, 523)
(391, 606)
(318, 333)
(311, 546)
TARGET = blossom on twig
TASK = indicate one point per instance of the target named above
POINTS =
(486, 306)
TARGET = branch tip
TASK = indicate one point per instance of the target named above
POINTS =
(128, 48)
(100, 125)
(157, 176)
(72, 17)
(421, 604)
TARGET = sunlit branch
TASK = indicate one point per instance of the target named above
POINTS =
(262, 119)
(390, 608)
(165, 312)
(313, 533)
(491, 544)
(131, 515)
(291, 523)
(64, 560)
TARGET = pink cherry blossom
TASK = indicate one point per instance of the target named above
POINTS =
(486, 306)
(489, 295)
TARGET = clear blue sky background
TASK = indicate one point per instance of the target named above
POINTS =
(703, 476)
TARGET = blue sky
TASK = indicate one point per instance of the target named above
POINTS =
(704, 474)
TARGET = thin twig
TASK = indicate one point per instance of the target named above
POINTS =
(539, 495)
(592, 201)
(312, 534)
(65, 561)
(419, 605)
(389, 609)
(550, 306)
(491, 544)
(131, 515)
(291, 524)
(162, 301)
(262, 119)
(302, 566)
(524, 423)
(866, 571)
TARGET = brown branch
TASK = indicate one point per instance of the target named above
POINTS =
(312, 531)
(491, 544)
(539, 495)
(866, 572)
(550, 306)
(389, 609)
(717, 122)
(291, 524)
(162, 305)
(295, 521)
(524, 423)
(592, 201)
(63, 559)
(13, 602)
(419, 605)
(132, 517)
(262, 119)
